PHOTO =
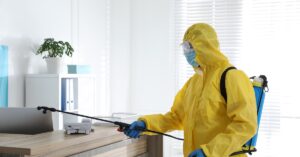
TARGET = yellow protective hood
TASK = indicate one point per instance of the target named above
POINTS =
(205, 42)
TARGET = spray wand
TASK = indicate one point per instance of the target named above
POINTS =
(122, 126)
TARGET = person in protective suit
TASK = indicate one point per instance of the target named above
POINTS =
(212, 127)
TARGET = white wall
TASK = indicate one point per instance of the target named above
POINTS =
(120, 55)
(24, 25)
(141, 63)
(152, 81)
(135, 33)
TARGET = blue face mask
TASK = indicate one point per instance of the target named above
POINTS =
(190, 57)
(189, 54)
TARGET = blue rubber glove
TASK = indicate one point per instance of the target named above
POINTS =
(197, 153)
(131, 132)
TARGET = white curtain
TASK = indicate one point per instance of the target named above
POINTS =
(259, 37)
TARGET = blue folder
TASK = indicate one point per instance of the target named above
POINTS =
(3, 76)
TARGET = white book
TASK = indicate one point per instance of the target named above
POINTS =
(68, 94)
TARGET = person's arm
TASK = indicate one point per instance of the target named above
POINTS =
(241, 109)
(172, 120)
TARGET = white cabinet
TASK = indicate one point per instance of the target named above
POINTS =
(69, 92)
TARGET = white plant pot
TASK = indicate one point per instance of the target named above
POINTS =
(54, 65)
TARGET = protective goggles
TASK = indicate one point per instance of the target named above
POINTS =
(187, 46)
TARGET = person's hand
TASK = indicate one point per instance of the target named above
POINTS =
(197, 153)
(133, 131)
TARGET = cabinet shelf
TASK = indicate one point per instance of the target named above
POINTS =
(50, 90)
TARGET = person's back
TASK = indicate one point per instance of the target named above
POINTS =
(211, 126)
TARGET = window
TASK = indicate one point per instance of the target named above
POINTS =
(269, 47)
(259, 37)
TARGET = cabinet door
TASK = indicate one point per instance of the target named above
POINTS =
(44, 91)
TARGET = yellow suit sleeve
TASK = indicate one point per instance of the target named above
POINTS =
(172, 120)
(241, 109)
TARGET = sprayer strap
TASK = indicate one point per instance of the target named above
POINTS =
(222, 83)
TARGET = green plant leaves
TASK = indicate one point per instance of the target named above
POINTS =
(54, 48)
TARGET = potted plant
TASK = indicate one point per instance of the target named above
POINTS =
(52, 51)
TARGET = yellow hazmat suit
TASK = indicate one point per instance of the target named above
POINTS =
(209, 123)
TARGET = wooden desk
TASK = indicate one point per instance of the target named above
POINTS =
(103, 142)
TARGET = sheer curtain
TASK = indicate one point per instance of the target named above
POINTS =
(259, 37)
